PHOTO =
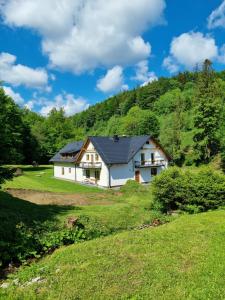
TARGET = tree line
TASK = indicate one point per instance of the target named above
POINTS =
(186, 113)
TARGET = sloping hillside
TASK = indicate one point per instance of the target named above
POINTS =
(180, 260)
(185, 113)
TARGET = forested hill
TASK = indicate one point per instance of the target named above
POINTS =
(186, 113)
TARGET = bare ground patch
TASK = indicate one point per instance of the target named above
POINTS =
(46, 198)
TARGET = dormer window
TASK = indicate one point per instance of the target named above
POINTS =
(147, 142)
(96, 157)
(87, 157)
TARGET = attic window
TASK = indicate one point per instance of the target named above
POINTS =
(147, 142)
(87, 157)
(96, 157)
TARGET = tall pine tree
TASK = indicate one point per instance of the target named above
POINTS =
(207, 114)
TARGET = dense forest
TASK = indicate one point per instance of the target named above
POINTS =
(186, 113)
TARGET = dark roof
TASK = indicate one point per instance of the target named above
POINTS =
(74, 147)
(120, 151)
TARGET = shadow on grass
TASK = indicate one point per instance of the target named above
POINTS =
(42, 168)
(38, 218)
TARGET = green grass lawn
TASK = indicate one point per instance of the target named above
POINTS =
(41, 178)
(125, 212)
(183, 259)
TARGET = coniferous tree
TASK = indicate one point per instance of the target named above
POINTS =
(207, 114)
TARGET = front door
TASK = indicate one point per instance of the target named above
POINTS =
(137, 176)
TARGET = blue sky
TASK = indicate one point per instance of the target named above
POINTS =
(72, 54)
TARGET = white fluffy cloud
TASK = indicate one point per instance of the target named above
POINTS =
(217, 17)
(112, 81)
(15, 96)
(143, 74)
(190, 49)
(68, 102)
(84, 34)
(170, 64)
(221, 57)
(17, 74)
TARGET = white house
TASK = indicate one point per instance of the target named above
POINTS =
(111, 161)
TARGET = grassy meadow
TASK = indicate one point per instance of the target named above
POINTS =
(119, 210)
(119, 258)
(179, 260)
(41, 179)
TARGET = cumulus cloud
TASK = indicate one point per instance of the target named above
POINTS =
(17, 74)
(170, 64)
(190, 49)
(29, 105)
(15, 96)
(217, 17)
(112, 81)
(221, 57)
(143, 74)
(68, 102)
(81, 35)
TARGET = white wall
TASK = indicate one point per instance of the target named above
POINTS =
(67, 175)
(121, 173)
(79, 175)
(104, 174)
(148, 149)
(145, 173)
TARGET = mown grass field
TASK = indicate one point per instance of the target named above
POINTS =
(41, 179)
(183, 259)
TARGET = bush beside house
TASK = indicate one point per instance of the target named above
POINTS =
(189, 191)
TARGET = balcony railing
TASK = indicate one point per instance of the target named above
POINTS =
(90, 165)
(149, 163)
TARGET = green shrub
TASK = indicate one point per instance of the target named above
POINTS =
(5, 174)
(34, 241)
(132, 186)
(188, 191)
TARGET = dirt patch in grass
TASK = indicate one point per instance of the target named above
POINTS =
(39, 197)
